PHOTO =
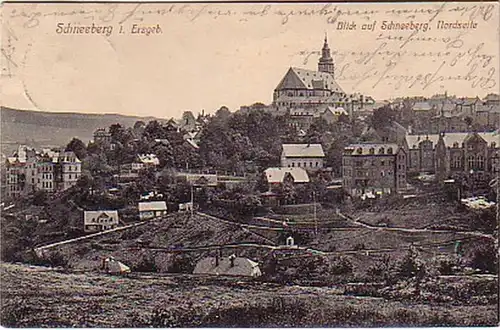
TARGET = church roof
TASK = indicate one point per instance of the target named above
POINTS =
(297, 78)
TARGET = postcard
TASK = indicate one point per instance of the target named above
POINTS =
(249, 164)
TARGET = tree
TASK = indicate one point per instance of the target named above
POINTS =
(78, 147)
(383, 117)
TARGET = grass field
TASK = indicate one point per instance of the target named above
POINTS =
(39, 297)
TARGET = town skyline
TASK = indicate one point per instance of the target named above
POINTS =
(244, 65)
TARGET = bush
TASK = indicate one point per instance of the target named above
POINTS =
(181, 264)
(147, 265)
(411, 265)
(384, 269)
(483, 255)
(51, 259)
(40, 198)
(340, 266)
(447, 265)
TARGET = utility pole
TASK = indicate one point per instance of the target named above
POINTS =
(314, 210)
(192, 199)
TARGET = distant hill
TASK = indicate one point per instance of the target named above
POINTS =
(39, 128)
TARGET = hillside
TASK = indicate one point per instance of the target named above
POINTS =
(41, 128)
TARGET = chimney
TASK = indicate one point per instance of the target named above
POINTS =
(231, 259)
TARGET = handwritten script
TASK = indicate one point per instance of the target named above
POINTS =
(385, 62)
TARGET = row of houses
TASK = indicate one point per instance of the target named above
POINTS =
(443, 113)
(383, 168)
(29, 170)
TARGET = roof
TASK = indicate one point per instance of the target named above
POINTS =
(66, 157)
(450, 138)
(492, 97)
(303, 150)
(334, 111)
(201, 179)
(150, 159)
(92, 217)
(297, 78)
(192, 143)
(277, 174)
(242, 267)
(422, 106)
(152, 206)
(363, 149)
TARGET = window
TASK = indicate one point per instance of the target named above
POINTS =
(359, 151)
(480, 162)
(293, 164)
(381, 151)
(310, 164)
(372, 151)
(389, 151)
(382, 163)
(317, 164)
(470, 161)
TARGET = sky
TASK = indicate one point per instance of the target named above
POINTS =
(209, 55)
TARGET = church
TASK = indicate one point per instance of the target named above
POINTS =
(315, 91)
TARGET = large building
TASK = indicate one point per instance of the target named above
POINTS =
(28, 171)
(447, 153)
(378, 168)
(306, 156)
(315, 90)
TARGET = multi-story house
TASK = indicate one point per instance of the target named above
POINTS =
(71, 169)
(447, 153)
(50, 171)
(306, 156)
(102, 136)
(378, 168)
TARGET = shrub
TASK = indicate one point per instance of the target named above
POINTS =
(147, 265)
(384, 269)
(411, 265)
(181, 264)
(51, 259)
(483, 255)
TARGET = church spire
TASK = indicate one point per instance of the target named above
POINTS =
(325, 63)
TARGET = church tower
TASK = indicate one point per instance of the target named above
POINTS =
(325, 63)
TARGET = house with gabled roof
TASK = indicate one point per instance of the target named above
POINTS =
(275, 175)
(306, 156)
(151, 210)
(100, 220)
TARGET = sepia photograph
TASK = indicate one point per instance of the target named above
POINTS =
(249, 165)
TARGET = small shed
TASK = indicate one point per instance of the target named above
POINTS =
(151, 210)
(232, 266)
(185, 207)
(112, 266)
